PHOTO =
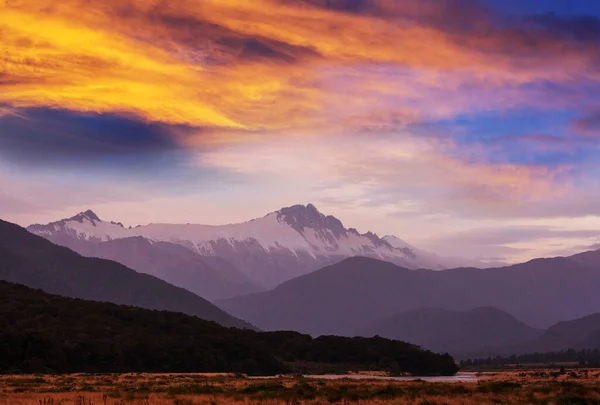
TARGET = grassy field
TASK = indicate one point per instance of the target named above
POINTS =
(574, 387)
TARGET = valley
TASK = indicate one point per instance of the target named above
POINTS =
(470, 313)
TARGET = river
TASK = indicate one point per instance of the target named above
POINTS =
(458, 377)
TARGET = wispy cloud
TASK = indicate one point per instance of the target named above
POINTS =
(510, 234)
(452, 109)
(397, 168)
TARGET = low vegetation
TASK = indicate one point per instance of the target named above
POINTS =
(531, 387)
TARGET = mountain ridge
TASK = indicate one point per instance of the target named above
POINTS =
(269, 250)
(343, 297)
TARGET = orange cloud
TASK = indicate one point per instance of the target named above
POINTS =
(259, 65)
(51, 61)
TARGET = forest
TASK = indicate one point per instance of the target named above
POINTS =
(44, 333)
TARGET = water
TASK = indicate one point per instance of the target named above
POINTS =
(461, 377)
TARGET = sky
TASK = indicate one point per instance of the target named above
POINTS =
(466, 127)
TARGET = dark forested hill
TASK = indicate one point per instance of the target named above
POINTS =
(40, 332)
(33, 261)
(561, 342)
(574, 335)
(581, 333)
(354, 293)
(443, 330)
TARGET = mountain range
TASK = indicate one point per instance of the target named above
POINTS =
(298, 269)
(351, 295)
(35, 262)
(266, 251)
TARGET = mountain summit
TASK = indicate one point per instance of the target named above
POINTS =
(300, 217)
(280, 246)
(88, 215)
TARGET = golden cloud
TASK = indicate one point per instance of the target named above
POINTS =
(253, 65)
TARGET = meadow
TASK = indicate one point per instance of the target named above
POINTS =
(573, 387)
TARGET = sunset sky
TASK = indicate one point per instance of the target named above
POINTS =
(466, 127)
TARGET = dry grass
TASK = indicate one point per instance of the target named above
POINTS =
(543, 387)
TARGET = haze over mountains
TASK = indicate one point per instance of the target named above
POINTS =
(577, 334)
(278, 247)
(447, 331)
(351, 295)
(35, 262)
(208, 276)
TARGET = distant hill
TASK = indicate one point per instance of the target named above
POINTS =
(582, 333)
(562, 339)
(446, 331)
(33, 261)
(354, 293)
(40, 332)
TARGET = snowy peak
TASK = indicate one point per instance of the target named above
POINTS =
(401, 247)
(85, 226)
(326, 232)
(376, 240)
(84, 217)
(396, 242)
(88, 215)
(300, 217)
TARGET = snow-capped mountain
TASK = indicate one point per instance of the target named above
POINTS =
(270, 250)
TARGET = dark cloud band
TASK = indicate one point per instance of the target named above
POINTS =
(42, 136)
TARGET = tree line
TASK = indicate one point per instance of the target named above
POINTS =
(585, 357)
